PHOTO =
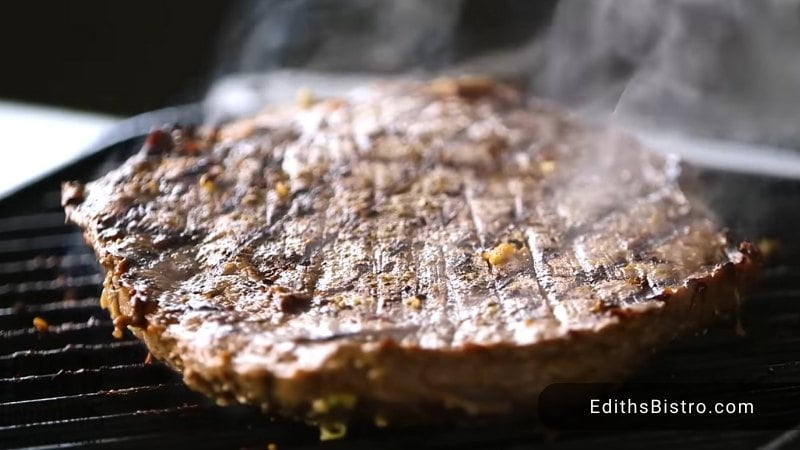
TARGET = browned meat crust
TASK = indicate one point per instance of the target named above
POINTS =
(411, 249)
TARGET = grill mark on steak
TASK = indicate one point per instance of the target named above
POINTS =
(492, 208)
(297, 233)
(520, 216)
(315, 249)
(393, 249)
(469, 282)
(346, 268)
(564, 274)
(430, 265)
(477, 230)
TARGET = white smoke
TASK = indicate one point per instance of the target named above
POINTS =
(716, 68)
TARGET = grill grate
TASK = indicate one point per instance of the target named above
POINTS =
(76, 385)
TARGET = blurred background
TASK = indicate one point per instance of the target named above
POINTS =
(717, 69)
(715, 81)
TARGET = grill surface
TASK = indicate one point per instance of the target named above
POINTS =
(76, 385)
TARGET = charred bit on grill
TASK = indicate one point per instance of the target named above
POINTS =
(41, 324)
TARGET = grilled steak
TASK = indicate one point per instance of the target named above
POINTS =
(414, 251)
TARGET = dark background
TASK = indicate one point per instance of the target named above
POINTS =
(115, 57)
(128, 57)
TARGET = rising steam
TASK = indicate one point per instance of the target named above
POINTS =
(714, 68)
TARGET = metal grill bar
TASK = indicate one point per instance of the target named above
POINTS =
(73, 356)
(30, 266)
(22, 317)
(60, 336)
(157, 396)
(49, 242)
(32, 222)
(186, 421)
(53, 294)
(66, 305)
(52, 285)
(85, 380)
(88, 427)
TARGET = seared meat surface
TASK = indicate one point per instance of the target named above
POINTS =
(408, 250)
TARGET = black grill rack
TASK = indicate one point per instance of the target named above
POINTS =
(75, 385)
